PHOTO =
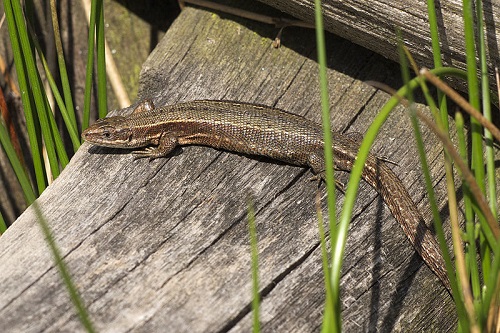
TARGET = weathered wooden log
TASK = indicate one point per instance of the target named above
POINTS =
(164, 245)
(373, 24)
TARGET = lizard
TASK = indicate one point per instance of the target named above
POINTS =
(254, 129)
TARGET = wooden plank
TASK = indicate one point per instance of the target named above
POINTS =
(164, 245)
(372, 24)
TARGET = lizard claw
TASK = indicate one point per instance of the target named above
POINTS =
(149, 152)
(317, 177)
(321, 177)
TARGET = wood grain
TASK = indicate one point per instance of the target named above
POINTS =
(164, 245)
(372, 24)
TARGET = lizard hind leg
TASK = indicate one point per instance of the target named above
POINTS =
(317, 164)
(321, 177)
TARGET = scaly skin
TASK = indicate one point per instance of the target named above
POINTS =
(261, 130)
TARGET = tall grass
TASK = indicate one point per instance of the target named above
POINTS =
(476, 298)
(43, 133)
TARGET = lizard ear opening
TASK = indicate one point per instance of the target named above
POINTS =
(144, 106)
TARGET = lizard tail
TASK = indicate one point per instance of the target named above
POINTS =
(397, 198)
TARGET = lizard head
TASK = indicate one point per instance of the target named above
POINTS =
(110, 132)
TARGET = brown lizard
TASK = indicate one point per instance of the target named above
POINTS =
(261, 130)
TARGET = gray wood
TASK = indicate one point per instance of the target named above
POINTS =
(372, 24)
(164, 246)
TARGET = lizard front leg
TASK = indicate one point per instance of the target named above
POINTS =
(167, 144)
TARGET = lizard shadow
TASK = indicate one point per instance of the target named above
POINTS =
(415, 264)
(97, 150)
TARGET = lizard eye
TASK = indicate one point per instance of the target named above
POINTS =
(107, 135)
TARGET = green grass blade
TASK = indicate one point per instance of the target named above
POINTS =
(31, 118)
(36, 88)
(328, 315)
(443, 124)
(63, 73)
(255, 268)
(63, 270)
(325, 107)
(486, 103)
(470, 228)
(3, 225)
(329, 167)
(90, 65)
(101, 63)
(490, 280)
(473, 85)
(438, 226)
(59, 144)
(436, 54)
(491, 283)
(423, 161)
(338, 247)
(433, 28)
(469, 31)
(17, 166)
(476, 129)
(72, 130)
